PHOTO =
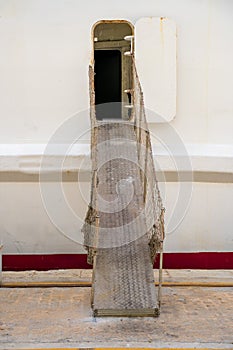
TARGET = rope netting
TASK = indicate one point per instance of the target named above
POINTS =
(153, 207)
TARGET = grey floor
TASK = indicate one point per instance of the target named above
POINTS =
(190, 317)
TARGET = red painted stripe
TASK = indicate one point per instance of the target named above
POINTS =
(204, 260)
(44, 262)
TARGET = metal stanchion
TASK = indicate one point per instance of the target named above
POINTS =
(160, 277)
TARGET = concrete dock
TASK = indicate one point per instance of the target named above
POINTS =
(197, 312)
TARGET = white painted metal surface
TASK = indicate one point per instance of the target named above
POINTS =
(45, 52)
(155, 52)
(26, 227)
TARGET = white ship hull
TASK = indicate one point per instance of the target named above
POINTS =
(46, 50)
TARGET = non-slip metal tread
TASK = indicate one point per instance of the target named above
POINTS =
(123, 282)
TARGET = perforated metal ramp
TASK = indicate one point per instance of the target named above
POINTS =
(123, 229)
(123, 281)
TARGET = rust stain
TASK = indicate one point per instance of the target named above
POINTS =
(161, 23)
(161, 29)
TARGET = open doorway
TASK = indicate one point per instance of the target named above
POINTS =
(108, 83)
(113, 69)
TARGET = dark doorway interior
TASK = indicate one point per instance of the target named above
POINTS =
(108, 83)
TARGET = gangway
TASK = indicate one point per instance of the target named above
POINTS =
(124, 225)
